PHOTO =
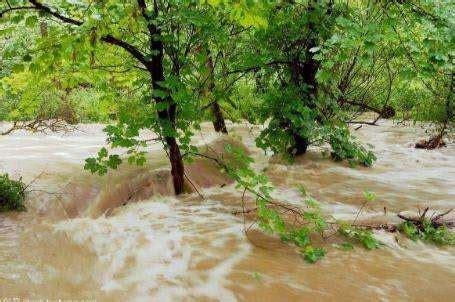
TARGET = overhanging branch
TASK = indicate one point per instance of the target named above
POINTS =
(47, 10)
(10, 9)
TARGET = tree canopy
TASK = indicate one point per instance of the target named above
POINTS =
(305, 68)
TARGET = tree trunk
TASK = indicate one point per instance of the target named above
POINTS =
(166, 116)
(218, 122)
(218, 119)
(177, 168)
(303, 76)
(300, 145)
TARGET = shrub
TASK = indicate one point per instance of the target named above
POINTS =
(12, 194)
(346, 147)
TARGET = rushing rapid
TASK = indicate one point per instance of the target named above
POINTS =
(123, 237)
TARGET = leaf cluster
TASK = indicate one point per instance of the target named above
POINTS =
(12, 194)
(440, 235)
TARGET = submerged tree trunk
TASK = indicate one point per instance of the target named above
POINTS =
(300, 145)
(177, 168)
(218, 120)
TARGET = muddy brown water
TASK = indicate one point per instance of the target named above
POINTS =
(121, 237)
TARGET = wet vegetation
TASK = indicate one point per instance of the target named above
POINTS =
(306, 70)
(12, 194)
(431, 229)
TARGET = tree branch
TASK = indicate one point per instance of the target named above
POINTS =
(253, 68)
(46, 9)
(15, 8)
(126, 46)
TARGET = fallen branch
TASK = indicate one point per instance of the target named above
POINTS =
(434, 142)
(41, 126)
(436, 221)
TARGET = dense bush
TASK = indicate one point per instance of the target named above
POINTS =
(12, 194)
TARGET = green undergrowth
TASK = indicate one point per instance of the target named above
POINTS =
(12, 194)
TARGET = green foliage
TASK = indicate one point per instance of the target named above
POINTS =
(346, 147)
(437, 235)
(313, 254)
(269, 220)
(410, 230)
(288, 117)
(369, 196)
(257, 276)
(301, 120)
(316, 222)
(102, 162)
(300, 106)
(302, 190)
(361, 235)
(12, 194)
(345, 246)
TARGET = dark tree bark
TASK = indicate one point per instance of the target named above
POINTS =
(177, 168)
(166, 116)
(218, 123)
(303, 76)
(218, 120)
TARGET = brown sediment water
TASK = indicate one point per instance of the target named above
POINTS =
(122, 237)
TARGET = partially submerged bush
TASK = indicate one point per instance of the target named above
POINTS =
(12, 194)
(346, 147)
(356, 234)
(439, 235)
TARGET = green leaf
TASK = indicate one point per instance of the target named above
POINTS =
(312, 254)
(27, 58)
(102, 153)
(302, 190)
(114, 161)
(345, 246)
(31, 21)
(257, 276)
(18, 68)
(369, 196)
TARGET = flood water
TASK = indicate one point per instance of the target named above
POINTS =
(123, 237)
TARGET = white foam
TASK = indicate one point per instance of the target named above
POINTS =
(150, 248)
(418, 250)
